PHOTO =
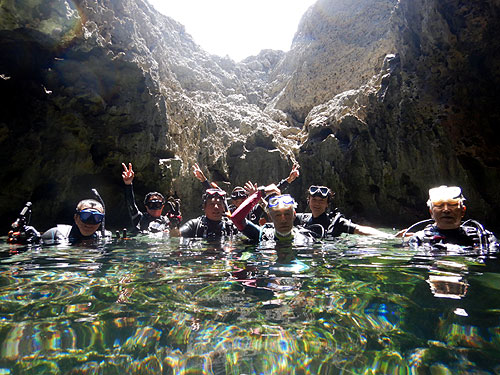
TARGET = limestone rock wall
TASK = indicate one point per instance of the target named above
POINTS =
(428, 118)
(87, 85)
(72, 108)
(450, 51)
(339, 46)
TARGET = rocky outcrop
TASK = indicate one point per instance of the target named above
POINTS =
(89, 84)
(379, 165)
(449, 51)
(339, 46)
(428, 118)
(99, 83)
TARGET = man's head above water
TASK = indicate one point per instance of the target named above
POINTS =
(238, 195)
(281, 210)
(154, 203)
(446, 206)
(214, 204)
(89, 216)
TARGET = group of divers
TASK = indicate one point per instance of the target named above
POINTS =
(261, 214)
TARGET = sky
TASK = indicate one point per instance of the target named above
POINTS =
(237, 28)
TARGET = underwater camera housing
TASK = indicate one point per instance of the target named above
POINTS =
(21, 232)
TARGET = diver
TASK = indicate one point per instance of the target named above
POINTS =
(259, 214)
(447, 209)
(281, 211)
(239, 194)
(89, 216)
(330, 224)
(151, 221)
(214, 223)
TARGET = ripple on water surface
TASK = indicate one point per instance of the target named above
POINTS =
(150, 305)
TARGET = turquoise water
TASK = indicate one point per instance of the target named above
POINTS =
(167, 306)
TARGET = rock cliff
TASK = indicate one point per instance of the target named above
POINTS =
(428, 118)
(339, 46)
(89, 84)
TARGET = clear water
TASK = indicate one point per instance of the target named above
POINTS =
(163, 306)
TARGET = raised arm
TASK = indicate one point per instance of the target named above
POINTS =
(198, 173)
(294, 173)
(128, 177)
(250, 187)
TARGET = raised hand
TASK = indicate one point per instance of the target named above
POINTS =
(294, 173)
(272, 189)
(128, 174)
(250, 188)
(198, 173)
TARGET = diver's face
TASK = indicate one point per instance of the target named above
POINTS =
(318, 205)
(86, 229)
(154, 206)
(154, 213)
(447, 214)
(214, 208)
(283, 218)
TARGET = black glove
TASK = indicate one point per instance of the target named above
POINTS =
(173, 212)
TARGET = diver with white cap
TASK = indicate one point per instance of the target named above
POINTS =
(447, 209)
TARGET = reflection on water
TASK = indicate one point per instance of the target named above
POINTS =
(158, 305)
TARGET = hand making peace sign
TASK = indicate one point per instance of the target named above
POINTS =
(128, 174)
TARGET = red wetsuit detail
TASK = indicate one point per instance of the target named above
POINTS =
(239, 215)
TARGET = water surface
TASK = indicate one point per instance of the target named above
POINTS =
(167, 306)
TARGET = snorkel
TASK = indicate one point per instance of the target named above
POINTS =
(103, 230)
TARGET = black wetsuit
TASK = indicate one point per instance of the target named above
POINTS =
(463, 236)
(203, 227)
(333, 224)
(70, 234)
(255, 215)
(142, 221)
